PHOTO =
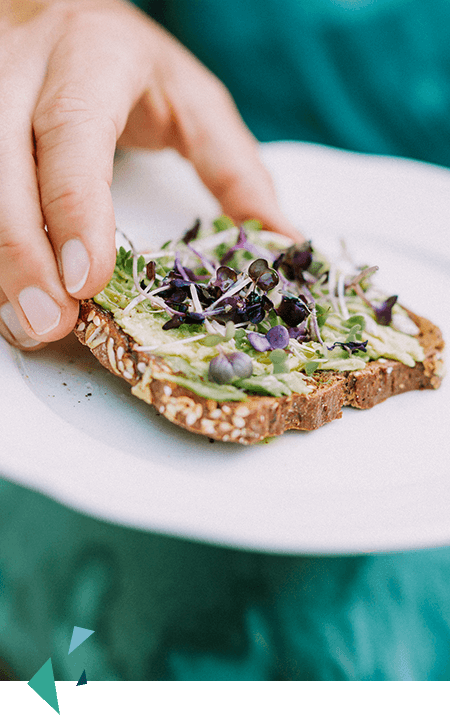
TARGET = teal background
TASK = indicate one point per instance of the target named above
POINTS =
(169, 609)
(368, 76)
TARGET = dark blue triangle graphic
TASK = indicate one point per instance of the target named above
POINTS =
(82, 680)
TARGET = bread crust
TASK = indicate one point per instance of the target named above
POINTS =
(259, 417)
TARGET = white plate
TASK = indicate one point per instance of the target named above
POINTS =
(375, 480)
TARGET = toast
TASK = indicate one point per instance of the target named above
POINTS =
(246, 381)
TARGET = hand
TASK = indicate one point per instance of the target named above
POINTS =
(76, 78)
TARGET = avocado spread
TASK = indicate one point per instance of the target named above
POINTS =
(239, 311)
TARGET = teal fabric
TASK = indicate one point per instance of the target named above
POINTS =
(169, 609)
(369, 76)
(366, 75)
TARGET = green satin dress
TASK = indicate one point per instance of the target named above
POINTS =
(372, 76)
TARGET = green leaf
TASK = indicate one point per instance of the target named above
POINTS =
(230, 330)
(223, 223)
(322, 314)
(241, 341)
(277, 356)
(355, 334)
(252, 224)
(212, 340)
(355, 320)
(311, 367)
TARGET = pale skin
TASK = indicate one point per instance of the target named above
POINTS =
(78, 78)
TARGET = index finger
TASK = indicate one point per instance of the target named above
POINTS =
(208, 130)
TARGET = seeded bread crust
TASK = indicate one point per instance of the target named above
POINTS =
(258, 417)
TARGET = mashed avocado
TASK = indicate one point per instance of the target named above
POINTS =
(204, 302)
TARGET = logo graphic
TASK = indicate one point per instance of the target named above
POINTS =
(43, 682)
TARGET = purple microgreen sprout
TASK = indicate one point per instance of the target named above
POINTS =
(240, 283)
(299, 333)
(351, 347)
(192, 233)
(180, 269)
(313, 316)
(264, 277)
(293, 310)
(146, 294)
(207, 264)
(258, 341)
(278, 337)
(223, 368)
(241, 242)
(242, 364)
(225, 278)
(294, 261)
(383, 312)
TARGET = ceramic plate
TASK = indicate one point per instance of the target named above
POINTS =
(374, 480)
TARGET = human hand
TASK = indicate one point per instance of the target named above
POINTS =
(77, 77)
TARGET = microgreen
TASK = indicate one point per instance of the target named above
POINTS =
(219, 289)
(222, 223)
(311, 367)
(279, 360)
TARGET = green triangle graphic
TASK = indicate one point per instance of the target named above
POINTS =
(43, 683)
(79, 635)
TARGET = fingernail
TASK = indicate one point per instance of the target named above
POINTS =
(9, 317)
(40, 309)
(75, 265)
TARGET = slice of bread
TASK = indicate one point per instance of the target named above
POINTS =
(258, 417)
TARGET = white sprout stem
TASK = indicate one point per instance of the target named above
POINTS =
(149, 348)
(238, 285)
(195, 299)
(142, 294)
(155, 255)
(332, 287)
(363, 274)
(205, 262)
(217, 327)
(345, 255)
(313, 316)
(210, 327)
(216, 239)
(341, 296)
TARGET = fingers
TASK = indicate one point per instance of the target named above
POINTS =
(57, 240)
(29, 276)
(203, 124)
(11, 329)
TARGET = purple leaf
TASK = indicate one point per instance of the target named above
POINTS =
(351, 347)
(383, 312)
(259, 341)
(278, 337)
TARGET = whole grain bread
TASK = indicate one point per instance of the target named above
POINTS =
(258, 417)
